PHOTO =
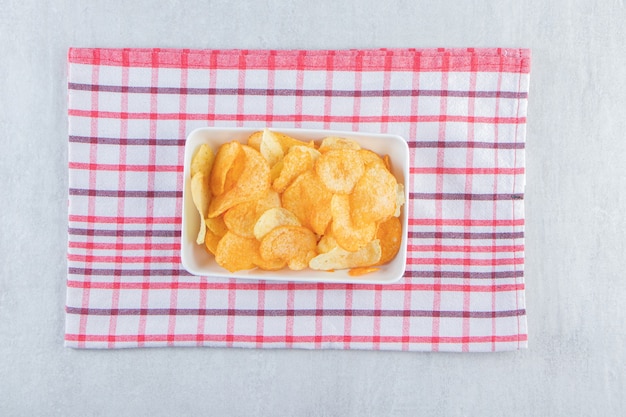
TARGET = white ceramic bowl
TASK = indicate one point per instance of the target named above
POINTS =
(198, 262)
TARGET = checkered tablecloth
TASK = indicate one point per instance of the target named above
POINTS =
(463, 113)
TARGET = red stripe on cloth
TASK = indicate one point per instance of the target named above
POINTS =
(438, 204)
(241, 83)
(330, 61)
(347, 321)
(230, 321)
(92, 183)
(319, 323)
(438, 260)
(469, 172)
(495, 208)
(487, 60)
(264, 118)
(220, 286)
(298, 110)
(225, 339)
(121, 219)
(289, 322)
(118, 259)
(466, 248)
(466, 222)
(202, 305)
(466, 170)
(384, 126)
(520, 332)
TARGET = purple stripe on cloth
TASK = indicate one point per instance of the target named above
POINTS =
(126, 141)
(290, 313)
(126, 193)
(412, 274)
(127, 272)
(296, 92)
(124, 233)
(460, 274)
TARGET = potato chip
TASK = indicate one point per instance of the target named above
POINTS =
(346, 233)
(235, 253)
(210, 241)
(335, 142)
(273, 218)
(389, 233)
(309, 200)
(202, 161)
(229, 156)
(287, 142)
(387, 161)
(294, 244)
(217, 225)
(242, 217)
(370, 157)
(400, 199)
(339, 258)
(201, 197)
(326, 243)
(374, 196)
(252, 183)
(298, 160)
(276, 170)
(271, 148)
(254, 140)
(362, 270)
(340, 169)
(268, 264)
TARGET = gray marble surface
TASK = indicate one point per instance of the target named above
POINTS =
(575, 223)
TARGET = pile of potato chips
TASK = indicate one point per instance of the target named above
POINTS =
(279, 202)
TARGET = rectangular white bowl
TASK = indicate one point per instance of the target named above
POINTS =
(197, 261)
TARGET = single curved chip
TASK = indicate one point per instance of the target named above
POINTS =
(389, 233)
(269, 265)
(340, 169)
(273, 218)
(254, 140)
(287, 142)
(293, 244)
(298, 160)
(276, 170)
(309, 200)
(371, 158)
(210, 241)
(242, 217)
(335, 142)
(400, 199)
(217, 225)
(235, 253)
(387, 161)
(252, 183)
(202, 161)
(271, 148)
(374, 196)
(347, 235)
(339, 258)
(229, 158)
(326, 243)
(201, 197)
